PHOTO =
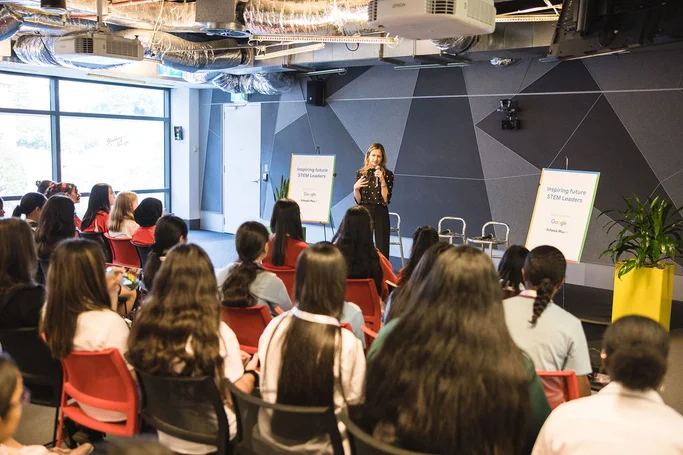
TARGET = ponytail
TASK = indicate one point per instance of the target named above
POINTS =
(285, 221)
(544, 293)
(151, 267)
(544, 269)
(16, 213)
(279, 245)
(235, 290)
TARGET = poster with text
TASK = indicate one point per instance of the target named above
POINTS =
(310, 185)
(562, 212)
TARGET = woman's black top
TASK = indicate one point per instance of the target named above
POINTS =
(372, 194)
(21, 306)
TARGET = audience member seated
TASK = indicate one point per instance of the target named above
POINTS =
(31, 205)
(552, 337)
(628, 416)
(2, 208)
(146, 215)
(399, 299)
(70, 190)
(423, 238)
(179, 332)
(510, 270)
(449, 379)
(21, 298)
(42, 186)
(80, 312)
(13, 398)
(122, 223)
(244, 283)
(307, 358)
(363, 260)
(287, 241)
(96, 218)
(56, 223)
(170, 231)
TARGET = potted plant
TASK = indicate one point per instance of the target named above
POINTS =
(649, 241)
(281, 191)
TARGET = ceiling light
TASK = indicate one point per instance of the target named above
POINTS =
(527, 18)
(430, 66)
(328, 39)
(340, 71)
(292, 51)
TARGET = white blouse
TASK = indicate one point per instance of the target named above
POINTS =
(127, 229)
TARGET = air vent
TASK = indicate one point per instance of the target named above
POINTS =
(440, 7)
(372, 11)
(122, 48)
(84, 45)
(480, 11)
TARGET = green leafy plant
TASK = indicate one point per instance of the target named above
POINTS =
(648, 233)
(281, 191)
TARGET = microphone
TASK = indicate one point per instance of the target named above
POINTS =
(377, 169)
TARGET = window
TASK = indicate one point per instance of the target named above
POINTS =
(92, 133)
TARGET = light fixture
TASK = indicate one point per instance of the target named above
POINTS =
(328, 39)
(340, 71)
(292, 51)
(53, 6)
(430, 66)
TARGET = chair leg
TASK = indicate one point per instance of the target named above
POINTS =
(58, 442)
(54, 431)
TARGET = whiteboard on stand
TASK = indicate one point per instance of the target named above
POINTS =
(562, 212)
(311, 178)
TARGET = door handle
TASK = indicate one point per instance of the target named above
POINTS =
(254, 181)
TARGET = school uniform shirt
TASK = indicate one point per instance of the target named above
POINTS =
(616, 420)
(25, 450)
(233, 370)
(128, 228)
(268, 289)
(354, 316)
(350, 372)
(144, 236)
(294, 249)
(32, 223)
(556, 343)
(77, 222)
(96, 331)
(100, 223)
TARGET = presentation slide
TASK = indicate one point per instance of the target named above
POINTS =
(562, 212)
(310, 185)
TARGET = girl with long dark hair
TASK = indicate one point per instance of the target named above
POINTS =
(170, 231)
(449, 379)
(245, 283)
(56, 223)
(80, 312)
(179, 332)
(96, 218)
(21, 297)
(146, 216)
(354, 240)
(122, 223)
(552, 337)
(510, 270)
(423, 238)
(30, 206)
(373, 188)
(307, 358)
(628, 416)
(68, 189)
(287, 242)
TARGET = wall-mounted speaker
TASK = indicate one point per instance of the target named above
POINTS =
(315, 93)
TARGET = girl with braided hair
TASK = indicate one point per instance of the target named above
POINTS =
(552, 337)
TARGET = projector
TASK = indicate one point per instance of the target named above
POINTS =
(99, 48)
(433, 19)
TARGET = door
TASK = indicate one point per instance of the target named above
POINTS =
(241, 165)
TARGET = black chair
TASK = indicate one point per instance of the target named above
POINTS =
(290, 426)
(101, 240)
(41, 373)
(364, 444)
(143, 253)
(187, 408)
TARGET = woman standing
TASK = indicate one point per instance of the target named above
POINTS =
(373, 188)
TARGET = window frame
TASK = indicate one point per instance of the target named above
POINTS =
(56, 115)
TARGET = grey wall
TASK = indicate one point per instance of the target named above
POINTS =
(619, 115)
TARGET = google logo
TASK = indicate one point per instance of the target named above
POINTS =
(560, 223)
(306, 193)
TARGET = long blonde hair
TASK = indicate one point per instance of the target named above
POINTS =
(122, 210)
(383, 164)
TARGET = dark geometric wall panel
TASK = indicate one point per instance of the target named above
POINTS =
(334, 84)
(481, 80)
(535, 70)
(438, 82)
(512, 202)
(213, 192)
(439, 140)
(296, 138)
(498, 161)
(571, 76)
(378, 82)
(644, 70)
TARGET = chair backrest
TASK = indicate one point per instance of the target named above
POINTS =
(101, 379)
(364, 444)
(187, 408)
(143, 252)
(370, 336)
(565, 381)
(363, 293)
(286, 274)
(494, 224)
(290, 426)
(39, 370)
(247, 323)
(100, 239)
(123, 252)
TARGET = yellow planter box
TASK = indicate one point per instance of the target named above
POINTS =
(646, 292)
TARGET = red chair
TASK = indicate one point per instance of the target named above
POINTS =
(564, 380)
(247, 323)
(370, 336)
(364, 294)
(100, 379)
(286, 274)
(123, 252)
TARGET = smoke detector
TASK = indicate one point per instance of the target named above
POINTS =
(219, 17)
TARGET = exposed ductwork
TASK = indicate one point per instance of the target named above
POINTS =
(9, 23)
(39, 50)
(265, 83)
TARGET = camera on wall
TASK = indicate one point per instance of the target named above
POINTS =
(510, 108)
